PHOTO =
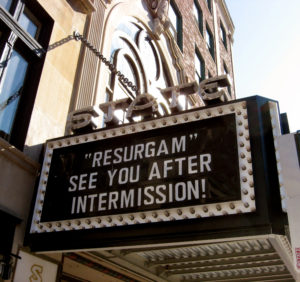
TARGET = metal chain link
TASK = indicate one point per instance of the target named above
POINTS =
(111, 66)
(10, 99)
(77, 36)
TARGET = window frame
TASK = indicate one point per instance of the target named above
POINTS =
(210, 38)
(202, 65)
(223, 35)
(14, 37)
(199, 18)
(178, 28)
(209, 5)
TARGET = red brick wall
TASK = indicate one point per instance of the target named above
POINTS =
(192, 37)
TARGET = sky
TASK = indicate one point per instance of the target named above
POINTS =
(266, 52)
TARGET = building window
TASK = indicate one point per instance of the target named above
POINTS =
(198, 15)
(176, 23)
(199, 67)
(208, 3)
(24, 30)
(227, 72)
(223, 35)
(6, 4)
(210, 42)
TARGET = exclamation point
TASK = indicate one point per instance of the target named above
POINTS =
(203, 188)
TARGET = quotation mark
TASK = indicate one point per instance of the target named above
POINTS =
(193, 136)
(88, 156)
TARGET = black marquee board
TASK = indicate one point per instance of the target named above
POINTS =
(158, 169)
(202, 173)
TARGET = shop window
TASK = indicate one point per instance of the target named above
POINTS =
(198, 15)
(199, 67)
(176, 23)
(21, 64)
(223, 35)
(210, 42)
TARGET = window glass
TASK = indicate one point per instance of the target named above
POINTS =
(223, 35)
(27, 23)
(199, 67)
(174, 20)
(210, 41)
(208, 2)
(6, 4)
(199, 17)
(11, 90)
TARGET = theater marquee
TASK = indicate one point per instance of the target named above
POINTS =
(195, 164)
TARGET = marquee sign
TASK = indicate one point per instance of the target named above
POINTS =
(195, 164)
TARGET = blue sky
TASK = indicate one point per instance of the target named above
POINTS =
(266, 52)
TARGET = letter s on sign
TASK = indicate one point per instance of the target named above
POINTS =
(36, 271)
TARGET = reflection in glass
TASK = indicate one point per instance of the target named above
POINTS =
(28, 24)
(6, 4)
(10, 90)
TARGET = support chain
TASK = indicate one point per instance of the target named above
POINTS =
(111, 66)
(77, 36)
